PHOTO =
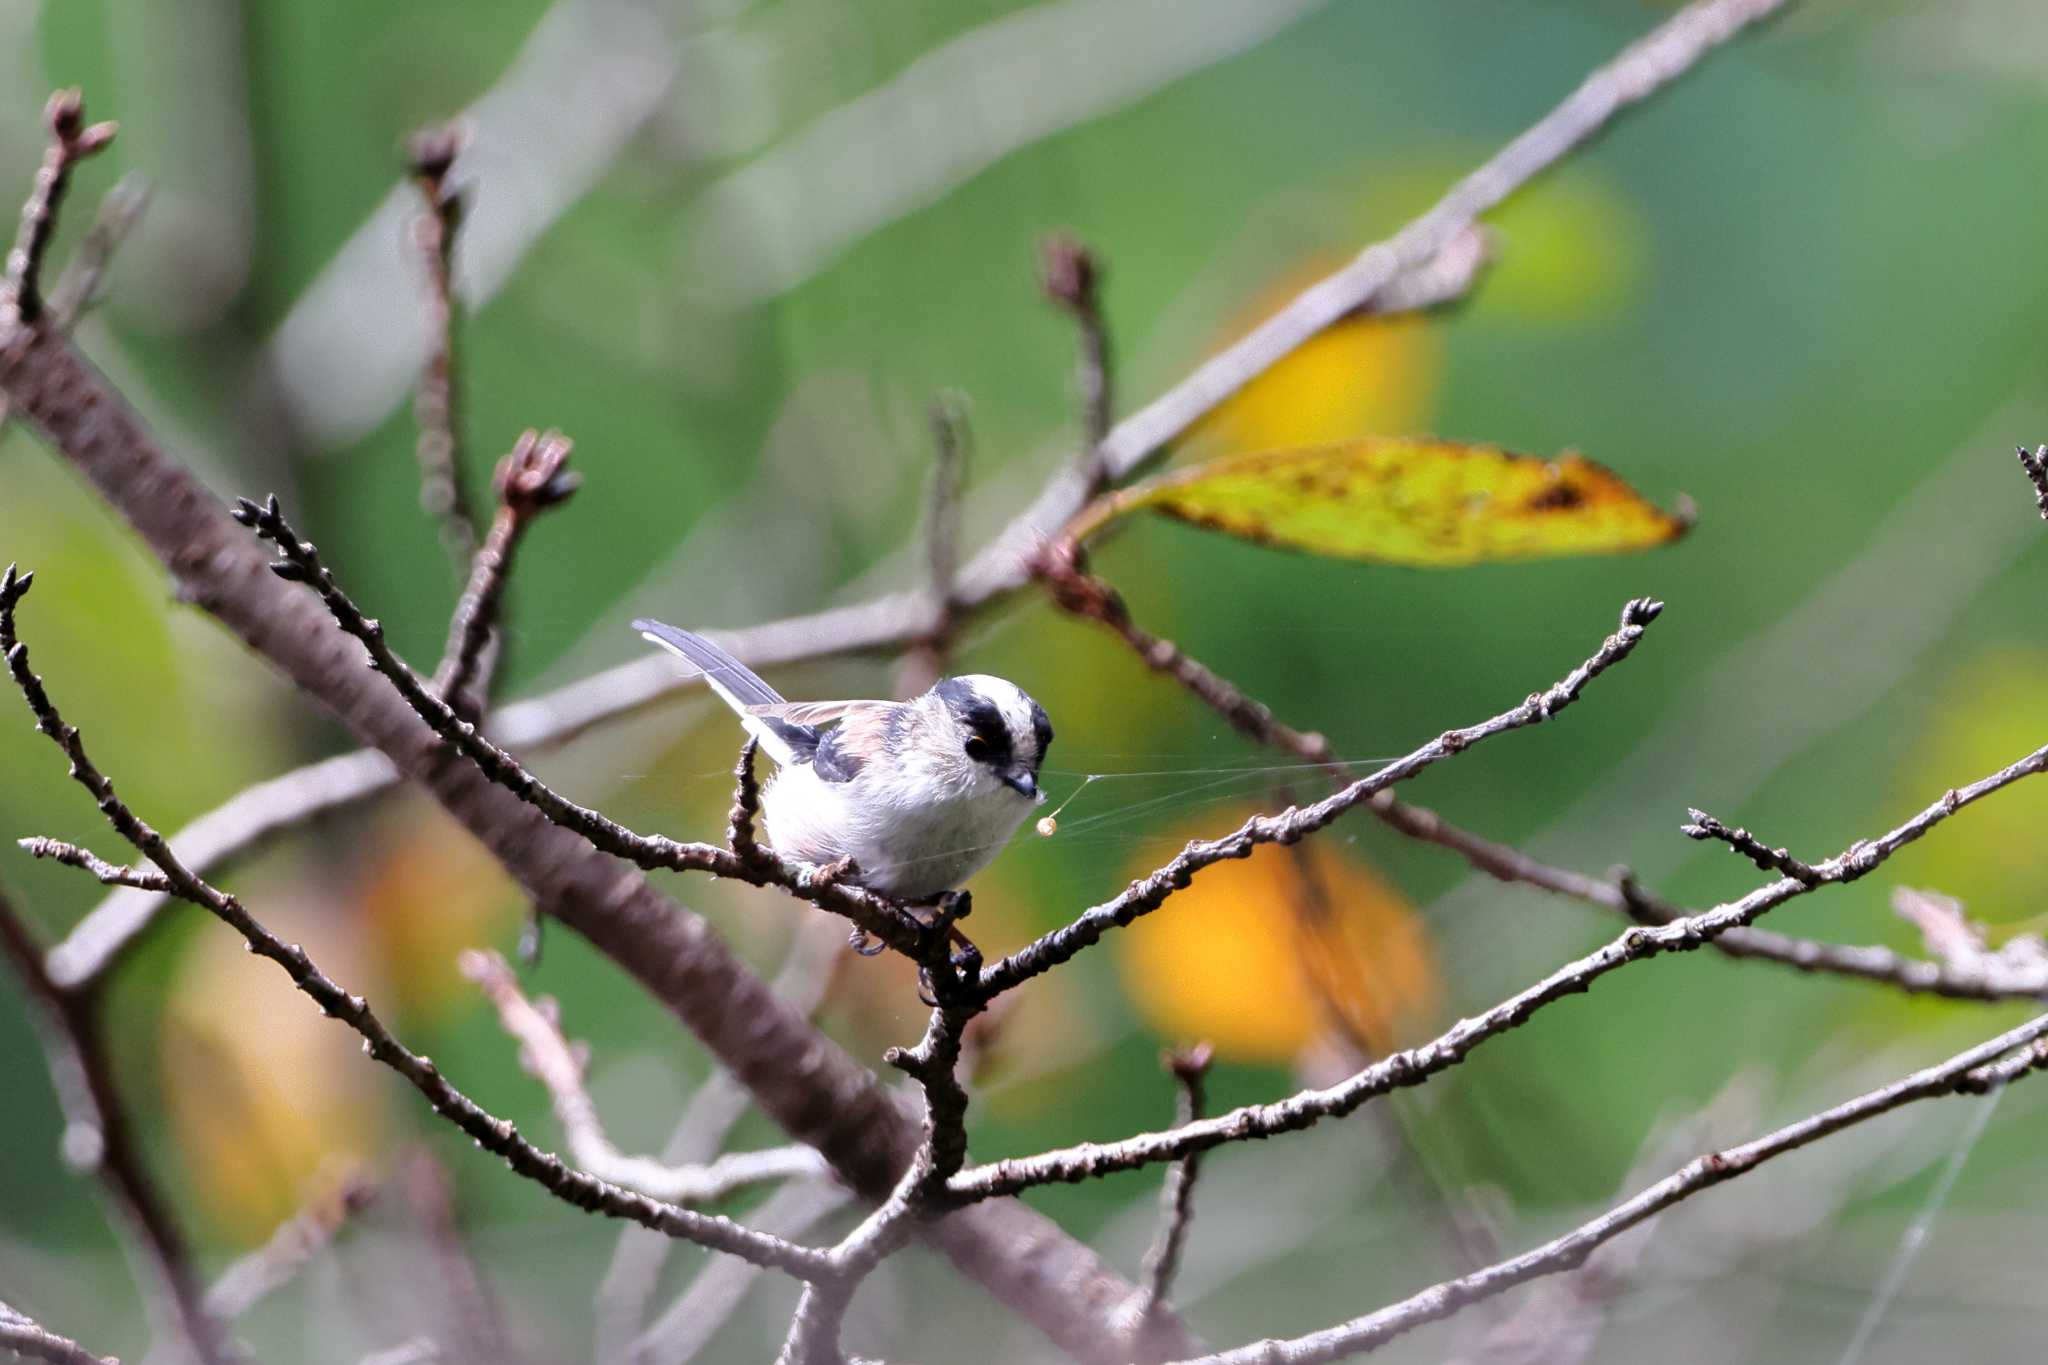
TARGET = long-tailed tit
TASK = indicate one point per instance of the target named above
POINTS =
(919, 795)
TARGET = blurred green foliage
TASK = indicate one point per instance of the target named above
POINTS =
(1803, 287)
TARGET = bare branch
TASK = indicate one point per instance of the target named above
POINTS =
(29, 1340)
(471, 1318)
(1086, 595)
(1149, 893)
(828, 1100)
(492, 1134)
(1415, 1065)
(106, 873)
(78, 287)
(629, 1281)
(291, 1247)
(529, 481)
(681, 1333)
(1704, 826)
(934, 1063)
(299, 562)
(247, 821)
(926, 658)
(1177, 1197)
(432, 153)
(97, 1137)
(1083, 594)
(71, 141)
(2036, 466)
(1071, 278)
(559, 1065)
(1981, 1068)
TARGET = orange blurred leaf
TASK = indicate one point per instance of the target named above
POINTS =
(1399, 500)
(1255, 956)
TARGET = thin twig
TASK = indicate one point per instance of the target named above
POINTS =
(1087, 595)
(1415, 1065)
(30, 1340)
(682, 1332)
(77, 288)
(2036, 466)
(1072, 278)
(1981, 1068)
(493, 1134)
(472, 1318)
(934, 1063)
(71, 141)
(630, 1280)
(299, 562)
(559, 1065)
(1083, 594)
(103, 872)
(289, 1250)
(529, 481)
(245, 822)
(1177, 1197)
(431, 153)
(1704, 826)
(926, 658)
(97, 1137)
(1149, 893)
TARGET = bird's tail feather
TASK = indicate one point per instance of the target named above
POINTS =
(738, 687)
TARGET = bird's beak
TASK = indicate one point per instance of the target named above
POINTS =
(1021, 781)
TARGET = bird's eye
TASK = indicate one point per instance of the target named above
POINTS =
(977, 748)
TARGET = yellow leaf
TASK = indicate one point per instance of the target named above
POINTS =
(1364, 375)
(1255, 957)
(1396, 500)
(261, 1092)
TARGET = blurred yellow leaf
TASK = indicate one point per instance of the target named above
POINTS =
(1989, 713)
(1255, 956)
(1361, 376)
(1399, 500)
(429, 893)
(263, 1093)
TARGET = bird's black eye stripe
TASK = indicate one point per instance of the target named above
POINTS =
(1041, 730)
(988, 738)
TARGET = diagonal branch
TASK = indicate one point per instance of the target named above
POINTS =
(71, 141)
(294, 1244)
(97, 1139)
(492, 1134)
(1985, 1067)
(801, 1079)
(1088, 596)
(299, 562)
(1149, 893)
(529, 481)
(1415, 1065)
(556, 1064)
(1190, 1067)
(432, 153)
(920, 1194)
(30, 1340)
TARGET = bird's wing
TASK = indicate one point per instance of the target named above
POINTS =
(863, 733)
(815, 713)
(787, 741)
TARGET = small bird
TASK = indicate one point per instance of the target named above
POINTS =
(918, 795)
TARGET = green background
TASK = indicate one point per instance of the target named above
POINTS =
(1803, 288)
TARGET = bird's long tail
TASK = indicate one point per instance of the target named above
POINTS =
(738, 687)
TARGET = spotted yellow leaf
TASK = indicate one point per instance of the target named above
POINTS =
(1403, 500)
